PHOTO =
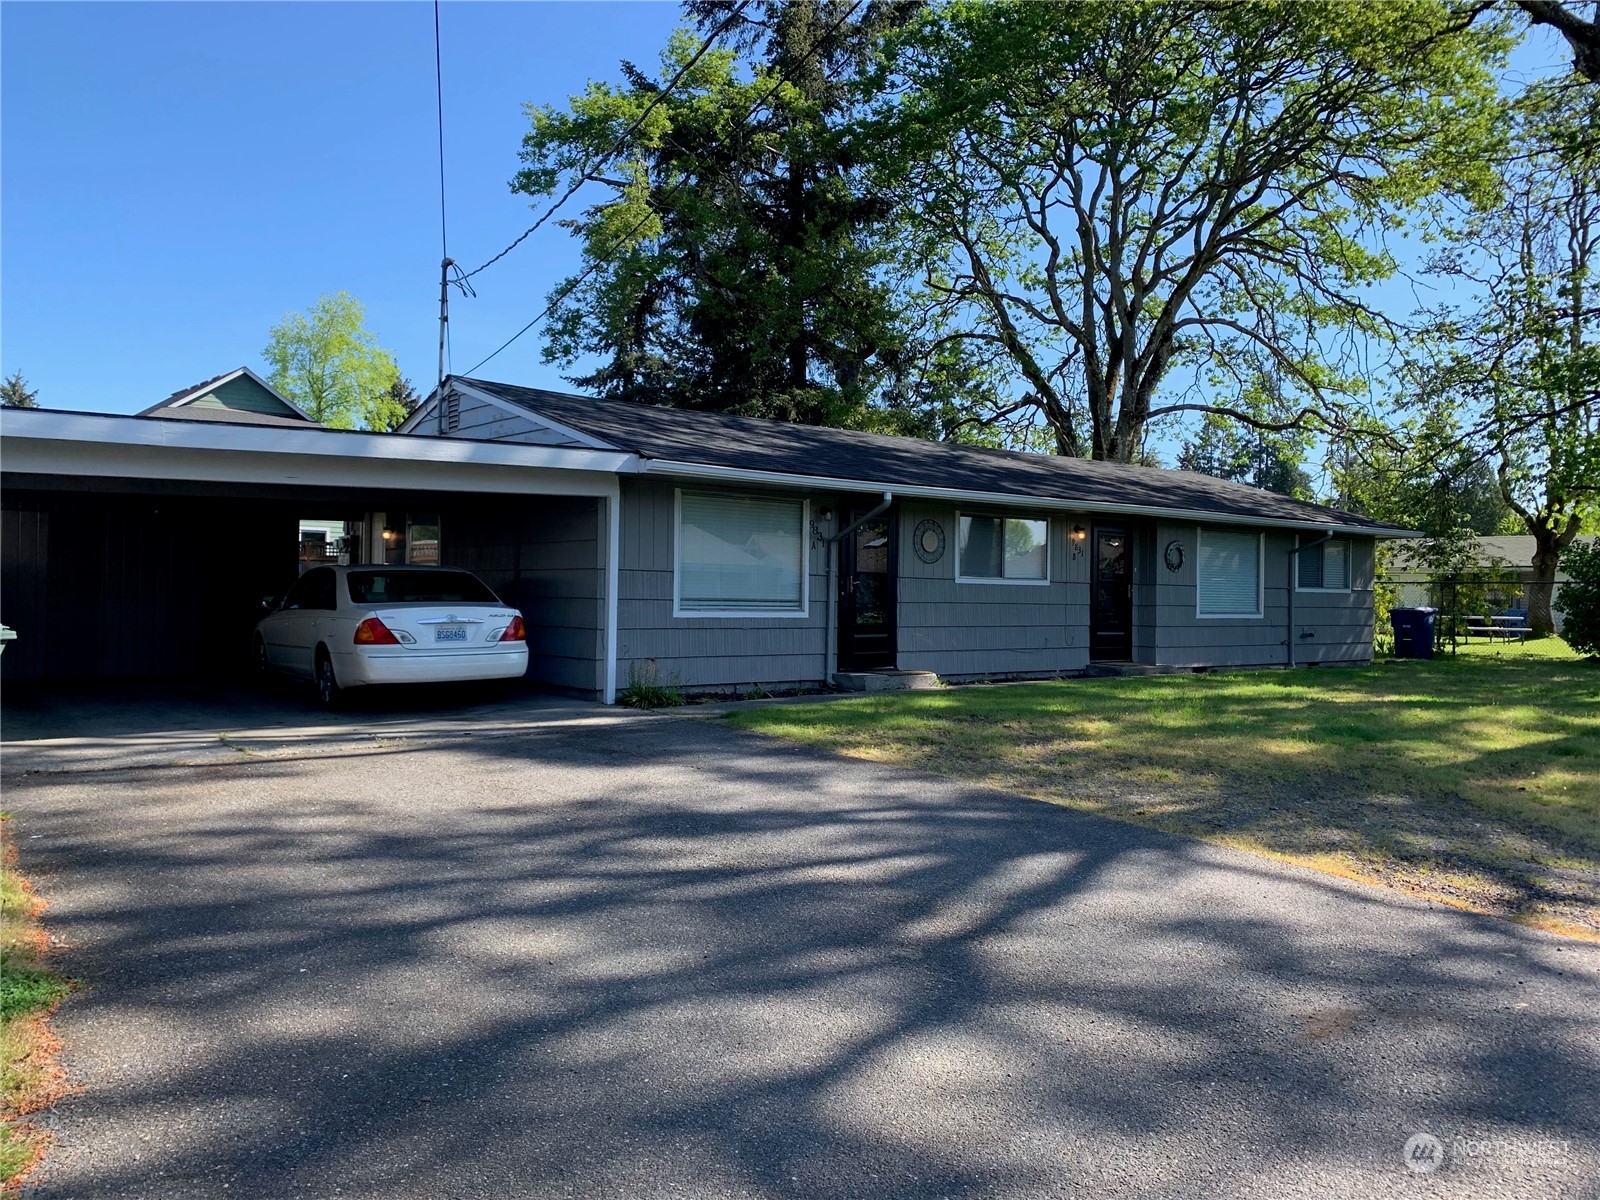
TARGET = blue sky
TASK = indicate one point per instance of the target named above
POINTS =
(176, 177)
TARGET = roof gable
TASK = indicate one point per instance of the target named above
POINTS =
(240, 395)
(879, 460)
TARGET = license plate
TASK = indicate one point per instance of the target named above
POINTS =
(450, 633)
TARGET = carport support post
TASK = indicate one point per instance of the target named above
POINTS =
(613, 502)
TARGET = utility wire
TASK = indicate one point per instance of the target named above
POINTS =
(567, 289)
(622, 139)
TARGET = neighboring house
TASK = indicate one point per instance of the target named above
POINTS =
(241, 397)
(1414, 583)
(725, 551)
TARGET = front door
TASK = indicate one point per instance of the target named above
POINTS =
(1111, 604)
(867, 595)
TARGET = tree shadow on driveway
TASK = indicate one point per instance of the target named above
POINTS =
(663, 958)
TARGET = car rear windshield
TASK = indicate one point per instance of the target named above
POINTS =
(418, 587)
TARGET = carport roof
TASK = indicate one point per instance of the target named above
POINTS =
(876, 461)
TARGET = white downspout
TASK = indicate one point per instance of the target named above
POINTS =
(613, 502)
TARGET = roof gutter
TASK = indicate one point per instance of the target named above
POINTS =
(656, 466)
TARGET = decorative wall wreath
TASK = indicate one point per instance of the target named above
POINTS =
(928, 541)
(1174, 556)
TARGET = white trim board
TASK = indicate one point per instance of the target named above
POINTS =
(27, 432)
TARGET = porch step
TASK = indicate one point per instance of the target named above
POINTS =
(886, 680)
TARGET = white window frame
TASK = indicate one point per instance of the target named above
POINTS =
(1049, 546)
(1261, 578)
(1349, 567)
(764, 614)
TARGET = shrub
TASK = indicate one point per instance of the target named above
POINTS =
(646, 688)
(1578, 599)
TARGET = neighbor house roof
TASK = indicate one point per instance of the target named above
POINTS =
(238, 397)
(1512, 550)
(713, 440)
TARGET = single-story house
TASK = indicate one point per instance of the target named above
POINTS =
(1414, 584)
(718, 552)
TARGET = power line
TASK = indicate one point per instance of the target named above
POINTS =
(567, 289)
(622, 138)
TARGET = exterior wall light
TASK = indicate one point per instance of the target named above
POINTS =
(1079, 536)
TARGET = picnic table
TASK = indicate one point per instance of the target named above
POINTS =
(1505, 626)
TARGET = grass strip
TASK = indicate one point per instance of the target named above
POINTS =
(1471, 780)
(30, 1080)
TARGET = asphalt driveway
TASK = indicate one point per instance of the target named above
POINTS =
(632, 956)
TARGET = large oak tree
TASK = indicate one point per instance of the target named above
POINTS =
(1519, 358)
(1105, 193)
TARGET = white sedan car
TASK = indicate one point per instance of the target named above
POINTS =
(346, 627)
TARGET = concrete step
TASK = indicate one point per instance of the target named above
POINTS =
(886, 680)
(1103, 670)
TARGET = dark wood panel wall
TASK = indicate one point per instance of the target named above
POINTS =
(121, 587)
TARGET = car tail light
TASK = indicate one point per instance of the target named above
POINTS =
(515, 632)
(373, 632)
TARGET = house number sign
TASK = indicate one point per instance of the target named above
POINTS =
(928, 541)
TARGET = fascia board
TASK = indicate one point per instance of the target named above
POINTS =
(1000, 499)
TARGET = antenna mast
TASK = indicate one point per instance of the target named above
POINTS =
(444, 326)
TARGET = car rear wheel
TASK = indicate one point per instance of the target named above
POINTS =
(329, 692)
(263, 665)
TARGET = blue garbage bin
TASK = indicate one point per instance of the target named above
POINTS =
(1413, 631)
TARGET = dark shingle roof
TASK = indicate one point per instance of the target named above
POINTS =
(712, 439)
(184, 394)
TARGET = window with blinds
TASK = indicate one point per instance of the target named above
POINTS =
(1323, 568)
(1003, 549)
(1228, 574)
(740, 555)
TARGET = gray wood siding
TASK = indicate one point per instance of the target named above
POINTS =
(487, 422)
(707, 652)
(969, 630)
(1329, 626)
(973, 630)
(546, 556)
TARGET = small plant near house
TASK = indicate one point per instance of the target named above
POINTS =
(29, 992)
(755, 691)
(1578, 601)
(647, 689)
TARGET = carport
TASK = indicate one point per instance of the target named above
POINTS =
(142, 547)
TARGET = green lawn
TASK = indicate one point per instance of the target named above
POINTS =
(1473, 780)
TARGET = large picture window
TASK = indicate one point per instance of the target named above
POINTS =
(1003, 550)
(1228, 574)
(1324, 567)
(740, 556)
